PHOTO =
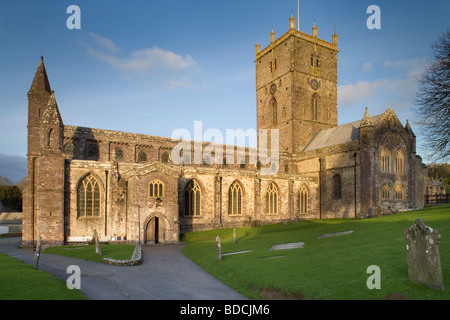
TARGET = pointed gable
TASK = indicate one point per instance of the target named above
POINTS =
(51, 114)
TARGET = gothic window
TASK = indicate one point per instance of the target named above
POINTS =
(118, 154)
(272, 199)
(386, 192)
(337, 186)
(142, 157)
(235, 199)
(274, 110)
(89, 197)
(315, 107)
(156, 189)
(385, 160)
(165, 157)
(399, 192)
(93, 152)
(303, 200)
(192, 199)
(399, 162)
(69, 149)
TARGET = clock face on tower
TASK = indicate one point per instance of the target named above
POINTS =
(314, 84)
(273, 89)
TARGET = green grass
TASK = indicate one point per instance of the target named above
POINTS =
(20, 281)
(113, 251)
(328, 268)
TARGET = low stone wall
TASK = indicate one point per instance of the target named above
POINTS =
(136, 259)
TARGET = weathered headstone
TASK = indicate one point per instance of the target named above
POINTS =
(219, 248)
(234, 235)
(97, 243)
(37, 253)
(424, 262)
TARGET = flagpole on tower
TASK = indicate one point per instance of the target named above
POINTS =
(298, 15)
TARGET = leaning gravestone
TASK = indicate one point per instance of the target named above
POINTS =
(97, 243)
(219, 248)
(37, 253)
(424, 262)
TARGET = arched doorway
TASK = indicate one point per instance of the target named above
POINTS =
(154, 231)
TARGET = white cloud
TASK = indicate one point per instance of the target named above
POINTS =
(360, 91)
(167, 68)
(105, 42)
(413, 67)
(367, 66)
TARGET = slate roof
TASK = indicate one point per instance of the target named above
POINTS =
(338, 135)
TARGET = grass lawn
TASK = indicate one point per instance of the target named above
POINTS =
(20, 281)
(328, 268)
(113, 251)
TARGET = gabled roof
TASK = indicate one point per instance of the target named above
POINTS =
(338, 135)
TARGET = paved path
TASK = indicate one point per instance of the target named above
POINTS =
(165, 274)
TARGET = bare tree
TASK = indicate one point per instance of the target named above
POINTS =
(433, 100)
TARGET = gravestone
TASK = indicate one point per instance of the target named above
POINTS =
(37, 253)
(219, 248)
(97, 243)
(234, 235)
(424, 262)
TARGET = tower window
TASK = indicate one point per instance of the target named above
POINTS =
(315, 107)
(156, 189)
(274, 110)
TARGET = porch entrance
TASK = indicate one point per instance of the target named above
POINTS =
(154, 231)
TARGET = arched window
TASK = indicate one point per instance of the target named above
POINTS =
(89, 194)
(93, 152)
(303, 200)
(50, 138)
(274, 110)
(399, 162)
(315, 107)
(272, 199)
(337, 186)
(69, 149)
(156, 189)
(385, 160)
(235, 199)
(192, 199)
(399, 192)
(165, 157)
(118, 154)
(386, 192)
(142, 157)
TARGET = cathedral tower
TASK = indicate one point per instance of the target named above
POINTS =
(296, 86)
(43, 198)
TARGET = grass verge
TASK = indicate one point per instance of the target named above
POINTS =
(332, 268)
(20, 281)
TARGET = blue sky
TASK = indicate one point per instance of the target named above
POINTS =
(155, 66)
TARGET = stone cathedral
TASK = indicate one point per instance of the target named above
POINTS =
(127, 187)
